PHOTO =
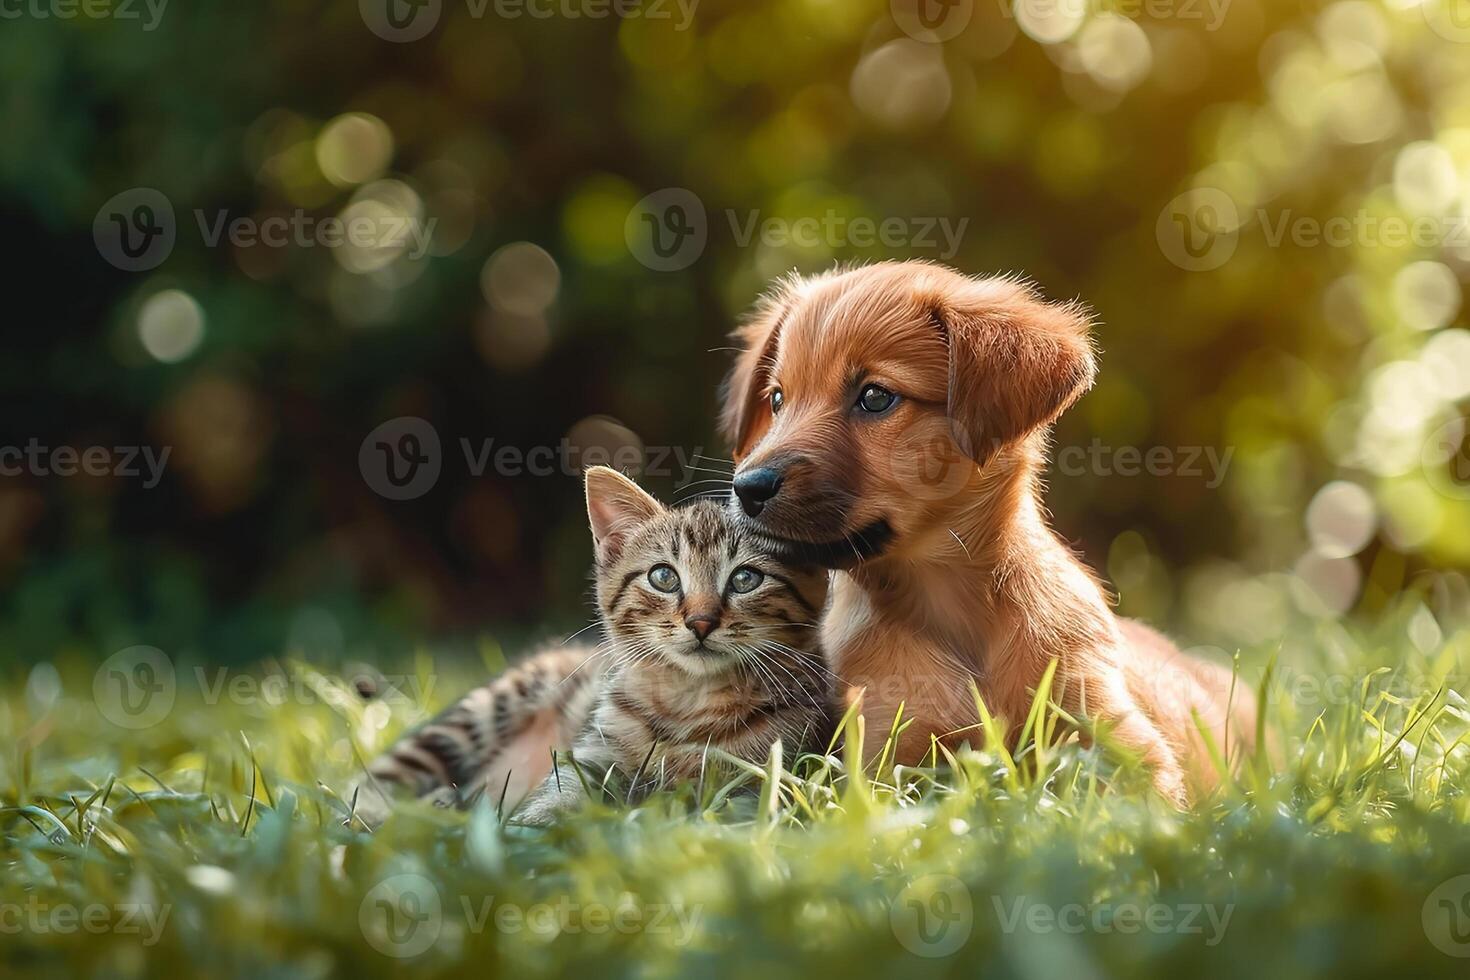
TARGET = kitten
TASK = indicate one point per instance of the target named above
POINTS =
(710, 640)
(713, 644)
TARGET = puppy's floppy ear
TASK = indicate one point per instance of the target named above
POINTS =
(745, 412)
(1016, 362)
(616, 507)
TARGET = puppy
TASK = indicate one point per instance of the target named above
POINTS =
(890, 421)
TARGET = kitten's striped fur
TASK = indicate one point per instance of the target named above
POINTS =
(648, 703)
(495, 739)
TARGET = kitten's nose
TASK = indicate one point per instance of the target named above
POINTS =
(755, 487)
(702, 625)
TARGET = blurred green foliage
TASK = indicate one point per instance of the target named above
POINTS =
(1111, 151)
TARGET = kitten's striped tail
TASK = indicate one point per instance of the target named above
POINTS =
(497, 738)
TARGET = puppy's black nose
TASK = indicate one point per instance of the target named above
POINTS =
(755, 487)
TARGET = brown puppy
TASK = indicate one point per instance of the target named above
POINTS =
(891, 422)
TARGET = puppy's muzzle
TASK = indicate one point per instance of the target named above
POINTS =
(755, 487)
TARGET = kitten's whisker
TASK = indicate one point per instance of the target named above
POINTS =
(707, 469)
(694, 483)
(803, 690)
(595, 622)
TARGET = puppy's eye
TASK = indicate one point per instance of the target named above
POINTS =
(777, 400)
(876, 400)
(745, 579)
(663, 578)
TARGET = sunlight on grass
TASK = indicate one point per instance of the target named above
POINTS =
(214, 841)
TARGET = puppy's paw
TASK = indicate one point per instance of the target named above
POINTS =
(1169, 783)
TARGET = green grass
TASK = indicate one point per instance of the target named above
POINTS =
(209, 843)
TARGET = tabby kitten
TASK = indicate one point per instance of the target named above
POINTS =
(709, 640)
(712, 642)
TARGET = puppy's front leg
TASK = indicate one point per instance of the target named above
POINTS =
(1135, 731)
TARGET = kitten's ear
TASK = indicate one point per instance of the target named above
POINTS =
(616, 506)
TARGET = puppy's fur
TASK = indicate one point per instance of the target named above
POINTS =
(932, 511)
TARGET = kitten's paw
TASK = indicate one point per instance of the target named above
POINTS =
(445, 797)
(370, 808)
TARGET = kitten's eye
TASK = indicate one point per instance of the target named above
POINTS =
(777, 400)
(746, 579)
(876, 400)
(663, 578)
